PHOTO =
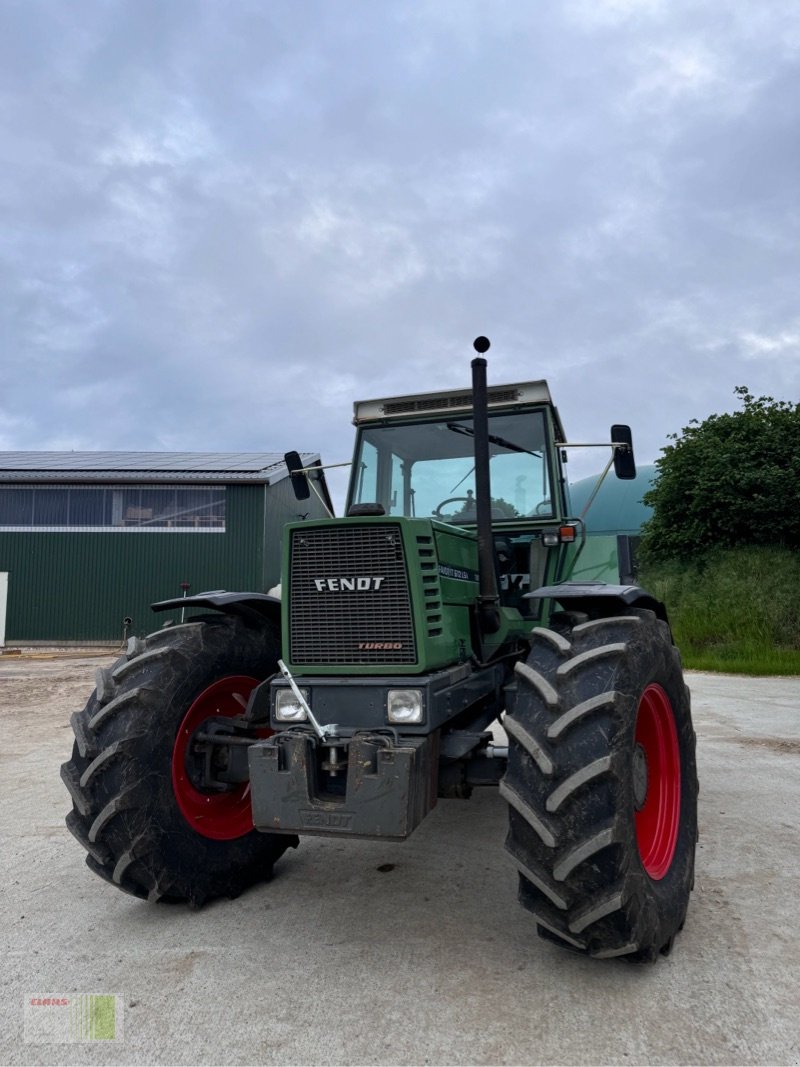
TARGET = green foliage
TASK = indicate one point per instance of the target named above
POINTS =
(501, 509)
(734, 610)
(728, 481)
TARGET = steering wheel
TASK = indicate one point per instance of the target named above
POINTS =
(497, 512)
(437, 511)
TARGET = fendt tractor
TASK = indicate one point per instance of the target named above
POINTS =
(439, 607)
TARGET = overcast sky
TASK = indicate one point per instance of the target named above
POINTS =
(222, 221)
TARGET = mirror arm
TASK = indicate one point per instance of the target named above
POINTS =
(599, 482)
(318, 494)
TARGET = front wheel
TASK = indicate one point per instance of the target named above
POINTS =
(146, 825)
(602, 786)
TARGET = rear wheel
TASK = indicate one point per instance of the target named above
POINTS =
(145, 823)
(602, 786)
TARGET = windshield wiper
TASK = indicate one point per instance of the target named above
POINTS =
(495, 440)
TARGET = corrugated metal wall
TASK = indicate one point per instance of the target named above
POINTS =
(283, 507)
(77, 586)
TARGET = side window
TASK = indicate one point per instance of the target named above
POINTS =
(367, 477)
(520, 483)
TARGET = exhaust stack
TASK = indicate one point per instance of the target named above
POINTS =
(488, 613)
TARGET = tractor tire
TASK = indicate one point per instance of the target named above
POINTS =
(144, 825)
(602, 786)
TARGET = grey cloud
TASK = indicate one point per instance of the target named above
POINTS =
(223, 221)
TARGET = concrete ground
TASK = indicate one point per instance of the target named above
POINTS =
(414, 953)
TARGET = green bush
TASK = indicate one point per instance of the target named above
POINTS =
(733, 610)
(728, 481)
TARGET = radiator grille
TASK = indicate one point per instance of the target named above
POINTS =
(348, 589)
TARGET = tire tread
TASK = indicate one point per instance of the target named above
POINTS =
(571, 825)
(119, 778)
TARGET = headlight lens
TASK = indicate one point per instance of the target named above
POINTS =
(288, 708)
(404, 705)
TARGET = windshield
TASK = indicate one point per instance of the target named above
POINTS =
(428, 468)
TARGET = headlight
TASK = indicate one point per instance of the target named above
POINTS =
(404, 705)
(288, 708)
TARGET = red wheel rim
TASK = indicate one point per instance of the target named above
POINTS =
(221, 816)
(658, 818)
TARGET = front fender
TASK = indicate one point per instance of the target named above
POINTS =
(248, 605)
(596, 598)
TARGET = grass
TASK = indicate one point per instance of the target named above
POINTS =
(736, 610)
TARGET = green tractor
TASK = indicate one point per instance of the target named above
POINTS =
(439, 606)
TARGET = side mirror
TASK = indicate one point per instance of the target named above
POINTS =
(299, 480)
(624, 463)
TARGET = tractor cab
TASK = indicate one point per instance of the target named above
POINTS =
(415, 456)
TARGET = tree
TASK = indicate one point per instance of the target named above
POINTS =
(730, 480)
(501, 509)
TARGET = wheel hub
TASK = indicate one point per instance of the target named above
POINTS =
(639, 777)
(656, 781)
(225, 814)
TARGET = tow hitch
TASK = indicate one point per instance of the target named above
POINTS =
(372, 784)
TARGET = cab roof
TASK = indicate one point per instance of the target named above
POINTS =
(453, 401)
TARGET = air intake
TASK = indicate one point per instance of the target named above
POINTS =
(447, 403)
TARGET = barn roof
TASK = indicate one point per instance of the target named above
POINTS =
(263, 468)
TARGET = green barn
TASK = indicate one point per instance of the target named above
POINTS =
(88, 540)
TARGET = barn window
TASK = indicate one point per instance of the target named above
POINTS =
(161, 508)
